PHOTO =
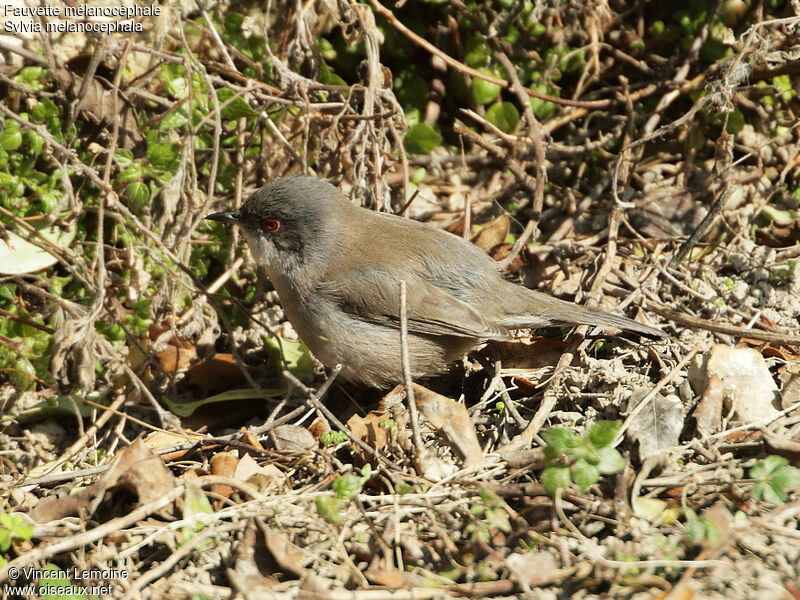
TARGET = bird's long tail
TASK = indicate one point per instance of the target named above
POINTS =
(551, 311)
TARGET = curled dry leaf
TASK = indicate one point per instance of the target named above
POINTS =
(451, 418)
(136, 469)
(493, 234)
(264, 478)
(223, 464)
(142, 472)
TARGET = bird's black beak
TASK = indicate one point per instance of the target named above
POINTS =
(229, 216)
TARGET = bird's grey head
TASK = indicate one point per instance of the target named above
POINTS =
(285, 222)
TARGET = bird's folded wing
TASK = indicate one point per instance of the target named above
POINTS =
(373, 294)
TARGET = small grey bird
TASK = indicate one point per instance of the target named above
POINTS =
(337, 268)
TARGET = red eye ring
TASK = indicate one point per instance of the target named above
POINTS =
(270, 225)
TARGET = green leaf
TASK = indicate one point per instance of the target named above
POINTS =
(758, 490)
(186, 409)
(195, 503)
(31, 75)
(11, 138)
(123, 158)
(347, 486)
(712, 532)
(554, 478)
(237, 107)
(774, 493)
(174, 119)
(333, 438)
(132, 172)
(610, 462)
(421, 139)
(293, 353)
(559, 439)
(485, 91)
(602, 433)
(476, 52)
(56, 578)
(43, 109)
(498, 518)
(787, 477)
(489, 497)
(695, 530)
(138, 194)
(164, 155)
(503, 115)
(329, 508)
(19, 527)
(5, 539)
(585, 474)
(735, 122)
(763, 469)
(543, 109)
(328, 77)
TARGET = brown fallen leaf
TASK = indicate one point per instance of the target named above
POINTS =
(223, 464)
(214, 375)
(493, 233)
(136, 469)
(451, 418)
(141, 472)
(174, 359)
(370, 430)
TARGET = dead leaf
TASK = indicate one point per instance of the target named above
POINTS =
(214, 375)
(247, 575)
(391, 578)
(292, 438)
(264, 478)
(161, 440)
(72, 361)
(493, 234)
(318, 427)
(136, 468)
(369, 429)
(100, 105)
(658, 426)
(451, 418)
(174, 359)
(142, 472)
(223, 464)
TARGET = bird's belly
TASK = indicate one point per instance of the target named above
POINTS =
(369, 353)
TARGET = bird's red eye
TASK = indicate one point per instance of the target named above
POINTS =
(270, 225)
